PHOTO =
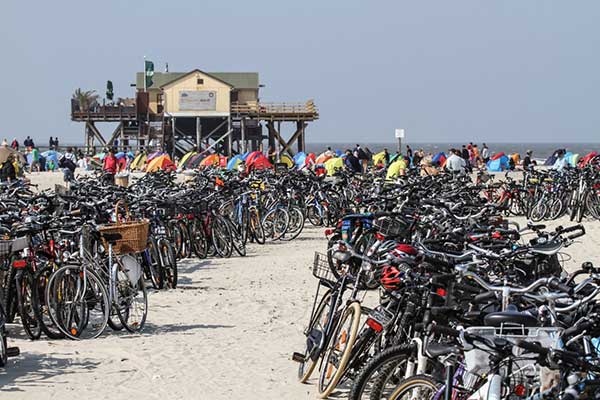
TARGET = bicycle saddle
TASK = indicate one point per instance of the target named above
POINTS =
(514, 318)
(442, 349)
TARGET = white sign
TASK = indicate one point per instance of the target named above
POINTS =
(399, 133)
(197, 100)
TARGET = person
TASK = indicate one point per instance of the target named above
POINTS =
(27, 142)
(475, 156)
(360, 154)
(427, 167)
(35, 160)
(15, 144)
(527, 163)
(82, 163)
(417, 157)
(409, 152)
(5, 143)
(455, 163)
(68, 167)
(70, 156)
(50, 165)
(56, 143)
(386, 155)
(50, 143)
(351, 162)
(8, 173)
(109, 166)
(485, 153)
(560, 163)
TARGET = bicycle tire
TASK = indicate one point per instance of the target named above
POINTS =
(423, 381)
(306, 368)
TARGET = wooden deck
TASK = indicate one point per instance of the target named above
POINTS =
(106, 114)
(277, 111)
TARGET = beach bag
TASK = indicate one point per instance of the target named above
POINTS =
(134, 234)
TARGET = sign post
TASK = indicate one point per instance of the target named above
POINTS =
(399, 136)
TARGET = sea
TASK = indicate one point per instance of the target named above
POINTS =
(541, 151)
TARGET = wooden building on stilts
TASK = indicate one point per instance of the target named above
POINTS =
(182, 111)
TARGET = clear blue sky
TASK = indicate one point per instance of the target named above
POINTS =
(503, 70)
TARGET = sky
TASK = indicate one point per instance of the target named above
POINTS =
(461, 70)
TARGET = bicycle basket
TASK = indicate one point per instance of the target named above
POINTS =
(134, 234)
(7, 247)
(321, 268)
(390, 227)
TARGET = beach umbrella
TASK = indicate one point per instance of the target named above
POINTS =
(235, 161)
(163, 162)
(138, 162)
(323, 157)
(396, 167)
(379, 158)
(333, 165)
(339, 153)
(6, 151)
(186, 157)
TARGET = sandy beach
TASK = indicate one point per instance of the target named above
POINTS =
(227, 332)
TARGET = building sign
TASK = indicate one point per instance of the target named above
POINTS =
(399, 133)
(197, 100)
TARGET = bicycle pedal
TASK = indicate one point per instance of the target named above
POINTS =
(12, 351)
(298, 357)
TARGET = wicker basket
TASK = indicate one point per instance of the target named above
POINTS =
(134, 234)
(122, 180)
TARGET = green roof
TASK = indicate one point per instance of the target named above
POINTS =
(239, 80)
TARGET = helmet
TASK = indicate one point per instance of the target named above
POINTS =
(402, 252)
(392, 277)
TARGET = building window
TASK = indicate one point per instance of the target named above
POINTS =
(200, 81)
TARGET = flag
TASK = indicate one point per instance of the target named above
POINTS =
(149, 72)
(109, 90)
(167, 67)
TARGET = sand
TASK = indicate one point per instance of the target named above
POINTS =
(227, 332)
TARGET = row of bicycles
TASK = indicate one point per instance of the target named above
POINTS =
(546, 194)
(76, 262)
(428, 291)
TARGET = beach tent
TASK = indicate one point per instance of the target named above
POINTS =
(161, 162)
(234, 162)
(339, 153)
(498, 156)
(311, 159)
(552, 158)
(186, 157)
(138, 162)
(572, 160)
(333, 165)
(395, 168)
(258, 161)
(587, 158)
(300, 159)
(439, 159)
(379, 158)
(323, 157)
(287, 160)
(120, 155)
(214, 160)
(498, 165)
(152, 156)
(52, 155)
(245, 155)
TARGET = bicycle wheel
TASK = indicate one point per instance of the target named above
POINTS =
(416, 387)
(40, 307)
(296, 224)
(3, 347)
(236, 238)
(256, 228)
(186, 242)
(221, 237)
(78, 302)
(199, 242)
(131, 299)
(25, 289)
(168, 262)
(339, 348)
(314, 216)
(381, 375)
(154, 265)
(275, 223)
(315, 338)
(538, 211)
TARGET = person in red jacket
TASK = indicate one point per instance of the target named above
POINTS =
(110, 166)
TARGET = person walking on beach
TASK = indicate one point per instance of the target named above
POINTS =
(455, 163)
(351, 162)
(15, 144)
(35, 160)
(527, 162)
(69, 155)
(362, 156)
(8, 173)
(386, 156)
(56, 143)
(109, 166)
(485, 153)
(50, 143)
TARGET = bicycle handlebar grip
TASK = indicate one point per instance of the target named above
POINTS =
(555, 285)
(577, 329)
(533, 347)
(445, 330)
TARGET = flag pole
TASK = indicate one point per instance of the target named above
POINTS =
(144, 73)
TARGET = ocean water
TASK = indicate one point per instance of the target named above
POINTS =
(540, 150)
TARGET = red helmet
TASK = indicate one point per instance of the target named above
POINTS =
(402, 252)
(391, 277)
